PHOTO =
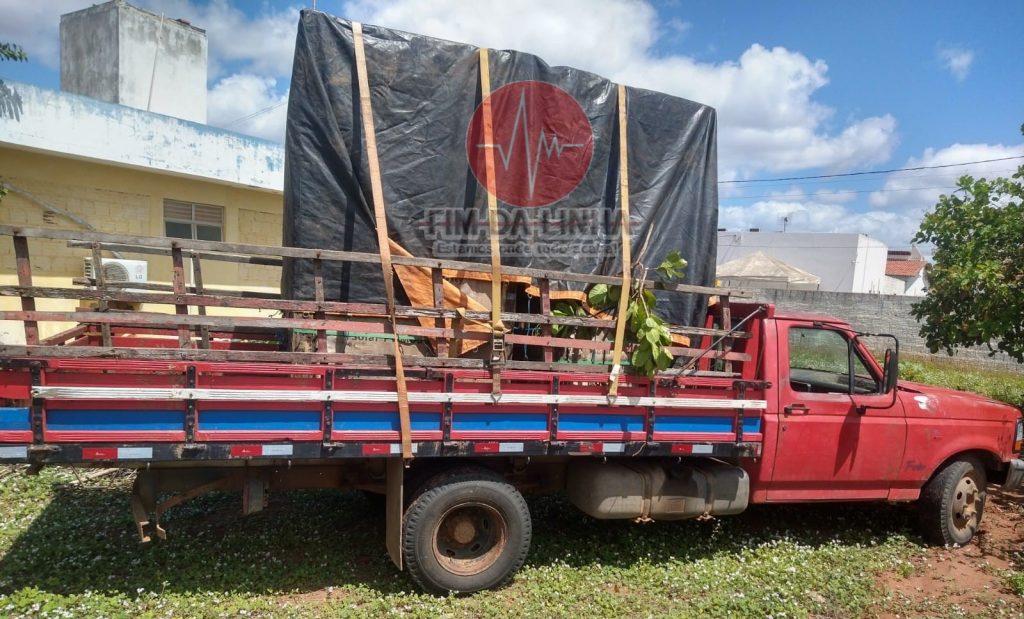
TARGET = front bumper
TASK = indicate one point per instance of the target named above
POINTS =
(1014, 475)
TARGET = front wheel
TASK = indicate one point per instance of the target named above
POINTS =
(953, 502)
(465, 531)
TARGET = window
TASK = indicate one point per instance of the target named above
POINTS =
(200, 222)
(819, 362)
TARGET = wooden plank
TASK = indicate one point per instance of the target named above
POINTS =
(23, 266)
(330, 307)
(156, 251)
(101, 278)
(545, 310)
(437, 281)
(344, 256)
(318, 291)
(197, 281)
(180, 308)
(350, 361)
(66, 335)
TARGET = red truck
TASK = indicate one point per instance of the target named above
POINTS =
(772, 407)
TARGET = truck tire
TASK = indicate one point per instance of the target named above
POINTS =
(952, 503)
(464, 531)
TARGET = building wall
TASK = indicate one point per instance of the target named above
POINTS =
(166, 56)
(844, 262)
(120, 200)
(877, 313)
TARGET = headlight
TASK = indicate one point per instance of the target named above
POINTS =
(1018, 441)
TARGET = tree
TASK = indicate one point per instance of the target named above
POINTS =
(976, 281)
(10, 100)
(10, 51)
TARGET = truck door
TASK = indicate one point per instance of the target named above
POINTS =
(826, 449)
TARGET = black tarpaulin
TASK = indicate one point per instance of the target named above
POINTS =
(556, 158)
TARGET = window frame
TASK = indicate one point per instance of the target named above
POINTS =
(852, 353)
(193, 222)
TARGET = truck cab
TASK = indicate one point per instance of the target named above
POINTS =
(839, 428)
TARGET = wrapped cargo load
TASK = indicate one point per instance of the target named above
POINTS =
(555, 152)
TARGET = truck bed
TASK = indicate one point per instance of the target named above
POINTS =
(144, 387)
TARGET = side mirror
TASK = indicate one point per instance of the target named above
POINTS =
(891, 370)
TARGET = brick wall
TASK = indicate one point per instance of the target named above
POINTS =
(876, 313)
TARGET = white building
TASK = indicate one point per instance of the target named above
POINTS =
(905, 274)
(844, 262)
(105, 163)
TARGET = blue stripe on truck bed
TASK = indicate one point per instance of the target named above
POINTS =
(99, 420)
(377, 421)
(703, 423)
(15, 419)
(598, 422)
(462, 422)
(228, 420)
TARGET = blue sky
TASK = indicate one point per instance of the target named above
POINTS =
(801, 88)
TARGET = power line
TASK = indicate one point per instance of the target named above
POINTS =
(269, 108)
(827, 194)
(866, 172)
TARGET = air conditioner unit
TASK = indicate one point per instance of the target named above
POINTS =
(118, 270)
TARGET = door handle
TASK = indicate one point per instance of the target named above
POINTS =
(796, 408)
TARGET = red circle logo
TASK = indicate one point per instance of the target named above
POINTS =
(542, 143)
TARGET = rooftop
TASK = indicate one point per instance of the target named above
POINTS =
(79, 127)
(904, 268)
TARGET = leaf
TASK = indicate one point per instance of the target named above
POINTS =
(598, 296)
(640, 358)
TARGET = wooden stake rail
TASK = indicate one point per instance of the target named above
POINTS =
(194, 329)
(217, 250)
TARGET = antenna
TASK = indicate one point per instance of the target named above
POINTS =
(785, 221)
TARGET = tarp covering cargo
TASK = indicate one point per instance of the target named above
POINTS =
(555, 148)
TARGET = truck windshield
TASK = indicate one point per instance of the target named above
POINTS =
(818, 363)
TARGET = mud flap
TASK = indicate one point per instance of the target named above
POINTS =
(393, 509)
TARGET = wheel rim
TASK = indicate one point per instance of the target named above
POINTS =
(966, 505)
(469, 538)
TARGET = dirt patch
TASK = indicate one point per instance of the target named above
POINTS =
(968, 581)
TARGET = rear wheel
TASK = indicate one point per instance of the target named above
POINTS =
(465, 531)
(952, 503)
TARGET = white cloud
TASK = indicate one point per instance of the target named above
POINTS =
(263, 45)
(35, 26)
(768, 117)
(918, 191)
(814, 215)
(248, 104)
(956, 60)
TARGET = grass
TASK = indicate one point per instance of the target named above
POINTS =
(1002, 385)
(68, 548)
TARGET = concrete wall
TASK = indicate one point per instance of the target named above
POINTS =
(876, 313)
(88, 52)
(844, 262)
(76, 126)
(121, 54)
(121, 201)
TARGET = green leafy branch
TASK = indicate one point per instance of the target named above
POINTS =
(644, 328)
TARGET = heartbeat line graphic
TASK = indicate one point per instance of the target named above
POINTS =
(544, 145)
